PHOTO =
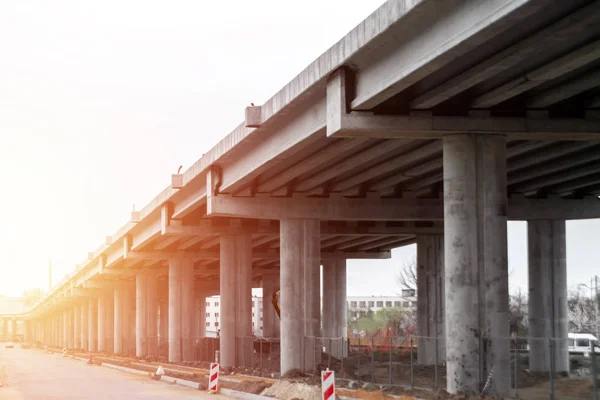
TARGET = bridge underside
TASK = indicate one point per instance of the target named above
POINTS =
(433, 124)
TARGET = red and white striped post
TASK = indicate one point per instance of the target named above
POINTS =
(213, 379)
(328, 384)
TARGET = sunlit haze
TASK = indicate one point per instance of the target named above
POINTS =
(100, 102)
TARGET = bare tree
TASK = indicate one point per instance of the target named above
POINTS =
(583, 313)
(407, 279)
(517, 312)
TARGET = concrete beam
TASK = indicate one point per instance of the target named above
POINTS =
(388, 209)
(311, 163)
(534, 46)
(392, 164)
(359, 124)
(556, 166)
(430, 38)
(566, 90)
(325, 208)
(208, 228)
(553, 70)
(553, 179)
(379, 150)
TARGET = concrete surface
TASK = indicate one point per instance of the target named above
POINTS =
(32, 375)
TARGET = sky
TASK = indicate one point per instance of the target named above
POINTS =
(100, 102)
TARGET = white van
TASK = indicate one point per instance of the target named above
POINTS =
(581, 343)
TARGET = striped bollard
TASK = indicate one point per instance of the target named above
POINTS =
(328, 384)
(213, 379)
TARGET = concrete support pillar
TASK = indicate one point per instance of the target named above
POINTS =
(127, 327)
(548, 309)
(175, 268)
(92, 328)
(270, 285)
(335, 314)
(187, 311)
(77, 326)
(430, 300)
(141, 297)
(151, 316)
(300, 294)
(476, 271)
(84, 325)
(119, 299)
(65, 330)
(102, 319)
(163, 324)
(236, 300)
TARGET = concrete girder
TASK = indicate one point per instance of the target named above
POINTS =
(354, 242)
(565, 90)
(555, 69)
(553, 179)
(166, 242)
(206, 228)
(555, 166)
(210, 243)
(572, 186)
(533, 46)
(389, 209)
(399, 243)
(382, 242)
(358, 124)
(311, 163)
(398, 162)
(215, 255)
(417, 52)
(381, 149)
(190, 242)
(526, 161)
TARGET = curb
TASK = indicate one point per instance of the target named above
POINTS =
(182, 382)
(243, 395)
(124, 369)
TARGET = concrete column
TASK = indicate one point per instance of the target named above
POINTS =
(119, 298)
(163, 327)
(548, 309)
(187, 311)
(92, 329)
(335, 314)
(476, 271)
(151, 316)
(300, 300)
(236, 300)
(84, 325)
(128, 315)
(175, 268)
(65, 324)
(430, 300)
(270, 285)
(141, 340)
(102, 327)
(77, 326)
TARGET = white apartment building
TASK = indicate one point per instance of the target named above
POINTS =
(213, 315)
(355, 304)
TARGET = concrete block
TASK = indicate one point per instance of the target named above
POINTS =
(253, 116)
(135, 217)
(177, 181)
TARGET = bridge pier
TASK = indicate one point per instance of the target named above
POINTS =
(430, 300)
(475, 261)
(300, 294)
(548, 311)
(235, 299)
(141, 297)
(92, 328)
(151, 316)
(335, 315)
(77, 324)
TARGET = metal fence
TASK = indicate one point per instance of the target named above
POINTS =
(539, 367)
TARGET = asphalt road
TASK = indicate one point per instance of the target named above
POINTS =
(32, 375)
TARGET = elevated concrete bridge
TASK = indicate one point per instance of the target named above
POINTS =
(432, 122)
